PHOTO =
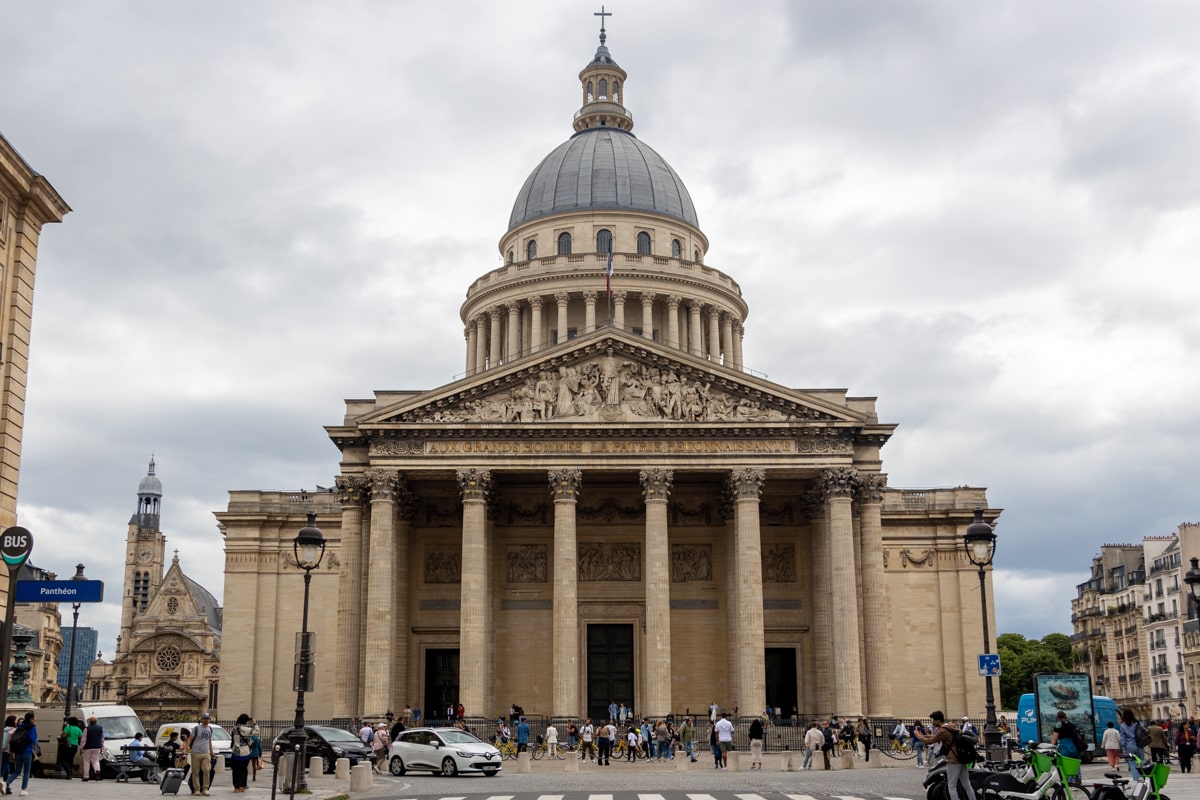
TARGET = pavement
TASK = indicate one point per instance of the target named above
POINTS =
(551, 781)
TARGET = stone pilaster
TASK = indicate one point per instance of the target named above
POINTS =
(380, 620)
(876, 639)
(695, 338)
(564, 487)
(476, 485)
(589, 311)
(535, 325)
(351, 493)
(673, 302)
(847, 669)
(656, 488)
(406, 509)
(647, 315)
(745, 485)
(619, 308)
(514, 330)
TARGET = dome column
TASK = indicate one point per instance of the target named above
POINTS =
(739, 333)
(535, 325)
(714, 334)
(619, 309)
(514, 329)
(589, 311)
(469, 335)
(727, 337)
(494, 358)
(562, 298)
(673, 302)
(647, 315)
(481, 343)
(694, 337)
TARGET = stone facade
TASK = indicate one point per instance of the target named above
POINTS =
(609, 506)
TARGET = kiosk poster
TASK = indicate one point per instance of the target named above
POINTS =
(1070, 692)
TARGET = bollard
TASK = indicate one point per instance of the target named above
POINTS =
(572, 762)
(285, 771)
(523, 762)
(360, 777)
(733, 761)
(681, 761)
(341, 769)
(219, 766)
(316, 767)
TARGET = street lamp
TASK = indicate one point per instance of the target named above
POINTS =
(1192, 579)
(160, 705)
(308, 548)
(78, 576)
(980, 543)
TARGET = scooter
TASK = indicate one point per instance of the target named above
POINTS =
(1049, 783)
(935, 780)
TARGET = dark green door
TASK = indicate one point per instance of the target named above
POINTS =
(609, 668)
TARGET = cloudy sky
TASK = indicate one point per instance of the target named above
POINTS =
(984, 214)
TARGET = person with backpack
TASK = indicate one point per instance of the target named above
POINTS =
(1134, 737)
(21, 745)
(958, 751)
(1067, 737)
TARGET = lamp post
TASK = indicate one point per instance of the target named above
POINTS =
(308, 548)
(1192, 579)
(980, 543)
(78, 576)
(160, 705)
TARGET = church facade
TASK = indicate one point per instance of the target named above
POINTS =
(608, 507)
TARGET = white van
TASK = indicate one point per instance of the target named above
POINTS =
(222, 742)
(120, 724)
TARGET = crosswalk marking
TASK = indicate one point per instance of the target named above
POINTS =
(701, 797)
(750, 797)
(550, 797)
(651, 797)
(800, 797)
(600, 797)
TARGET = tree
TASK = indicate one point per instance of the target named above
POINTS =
(1020, 658)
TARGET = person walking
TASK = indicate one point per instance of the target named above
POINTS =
(552, 740)
(864, 737)
(22, 754)
(830, 734)
(6, 765)
(725, 738)
(1110, 742)
(1185, 745)
(918, 743)
(813, 741)
(756, 743)
(68, 745)
(256, 750)
(201, 749)
(1129, 729)
(243, 744)
(687, 736)
(1158, 742)
(522, 736)
(957, 774)
(662, 740)
(379, 746)
(93, 745)
(714, 744)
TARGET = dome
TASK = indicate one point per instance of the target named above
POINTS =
(150, 485)
(603, 168)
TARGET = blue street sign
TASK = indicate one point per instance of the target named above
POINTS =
(989, 664)
(60, 591)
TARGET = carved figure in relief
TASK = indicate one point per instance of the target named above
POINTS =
(600, 561)
(568, 387)
(442, 567)
(691, 563)
(527, 564)
(543, 397)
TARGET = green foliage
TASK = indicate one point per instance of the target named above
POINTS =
(1020, 658)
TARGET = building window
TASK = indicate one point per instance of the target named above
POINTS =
(604, 241)
(696, 255)
(564, 244)
(603, 89)
(531, 249)
(589, 92)
(510, 255)
(643, 244)
(168, 659)
(616, 91)
(141, 590)
(676, 249)
(212, 695)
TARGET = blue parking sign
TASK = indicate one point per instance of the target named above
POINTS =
(989, 664)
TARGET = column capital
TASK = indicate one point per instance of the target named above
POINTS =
(712, 312)
(673, 301)
(351, 489)
(565, 483)
(838, 482)
(535, 301)
(619, 295)
(475, 484)
(695, 306)
(513, 306)
(870, 487)
(562, 297)
(497, 312)
(656, 483)
(385, 484)
(746, 484)
(647, 298)
(589, 295)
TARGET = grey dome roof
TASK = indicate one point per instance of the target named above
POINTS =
(603, 168)
(150, 484)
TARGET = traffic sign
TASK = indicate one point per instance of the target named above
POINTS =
(60, 591)
(989, 664)
(16, 543)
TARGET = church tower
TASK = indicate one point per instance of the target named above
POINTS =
(145, 551)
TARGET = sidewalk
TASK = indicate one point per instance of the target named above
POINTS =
(323, 788)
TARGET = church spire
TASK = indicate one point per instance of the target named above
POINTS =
(149, 499)
(602, 82)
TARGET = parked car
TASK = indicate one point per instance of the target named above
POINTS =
(222, 742)
(120, 724)
(328, 743)
(442, 751)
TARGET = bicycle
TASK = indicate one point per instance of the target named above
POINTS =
(1151, 779)
(507, 748)
(542, 749)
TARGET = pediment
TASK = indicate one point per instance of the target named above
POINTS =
(613, 378)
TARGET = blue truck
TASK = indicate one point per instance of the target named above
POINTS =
(1104, 710)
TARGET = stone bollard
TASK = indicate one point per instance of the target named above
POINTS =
(523, 762)
(733, 761)
(316, 767)
(572, 762)
(846, 760)
(681, 761)
(360, 777)
(218, 766)
(341, 769)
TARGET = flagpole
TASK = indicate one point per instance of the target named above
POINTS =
(608, 271)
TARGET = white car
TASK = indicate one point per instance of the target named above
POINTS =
(442, 751)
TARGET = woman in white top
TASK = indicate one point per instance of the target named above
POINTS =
(1111, 744)
(552, 741)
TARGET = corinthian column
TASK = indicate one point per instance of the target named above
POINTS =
(876, 644)
(847, 669)
(656, 488)
(714, 335)
(673, 302)
(535, 325)
(822, 627)
(475, 484)
(564, 487)
(514, 330)
(380, 627)
(405, 513)
(351, 491)
(746, 486)
(562, 298)
(619, 308)
(469, 335)
(727, 337)
(496, 342)
(694, 336)
(647, 315)
(481, 342)
(589, 312)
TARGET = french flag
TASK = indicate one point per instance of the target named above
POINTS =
(608, 271)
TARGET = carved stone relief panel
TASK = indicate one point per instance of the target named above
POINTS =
(443, 565)
(691, 562)
(609, 510)
(610, 561)
(703, 513)
(527, 563)
(779, 563)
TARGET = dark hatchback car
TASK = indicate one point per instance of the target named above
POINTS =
(328, 743)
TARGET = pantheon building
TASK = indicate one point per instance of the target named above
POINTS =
(608, 506)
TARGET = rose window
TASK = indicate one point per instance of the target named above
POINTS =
(173, 605)
(167, 659)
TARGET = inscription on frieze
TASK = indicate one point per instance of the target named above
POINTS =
(610, 561)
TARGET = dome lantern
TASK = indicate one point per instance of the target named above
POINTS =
(602, 83)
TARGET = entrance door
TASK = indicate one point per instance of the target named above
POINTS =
(781, 679)
(609, 668)
(441, 683)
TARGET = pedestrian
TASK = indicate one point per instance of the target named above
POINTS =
(379, 746)
(407, 716)
(957, 774)
(201, 750)
(396, 729)
(1158, 742)
(6, 765)
(631, 741)
(622, 714)
(1185, 745)
(863, 733)
(967, 727)
(724, 738)
(714, 744)
(687, 736)
(918, 743)
(1130, 729)
(588, 748)
(712, 712)
(552, 740)
(612, 709)
(460, 711)
(184, 759)
(829, 734)
(572, 736)
(365, 733)
(1111, 744)
(662, 740)
(93, 745)
(243, 745)
(22, 753)
(68, 745)
(255, 750)
(522, 736)
(756, 743)
(813, 741)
